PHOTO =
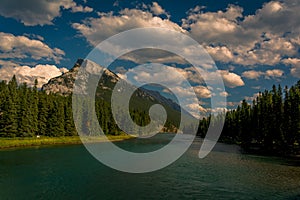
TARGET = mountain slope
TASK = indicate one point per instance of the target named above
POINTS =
(63, 84)
(141, 100)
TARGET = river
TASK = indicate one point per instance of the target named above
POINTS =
(70, 172)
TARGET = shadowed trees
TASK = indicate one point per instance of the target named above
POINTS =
(270, 125)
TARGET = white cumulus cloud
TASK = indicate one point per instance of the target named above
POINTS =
(202, 91)
(231, 79)
(272, 73)
(252, 74)
(295, 63)
(264, 38)
(38, 12)
(20, 47)
(107, 24)
(158, 10)
(224, 94)
(26, 74)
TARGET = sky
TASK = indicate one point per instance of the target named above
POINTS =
(254, 44)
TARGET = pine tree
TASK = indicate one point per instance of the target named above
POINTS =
(56, 119)
(9, 121)
(43, 109)
(24, 118)
(69, 122)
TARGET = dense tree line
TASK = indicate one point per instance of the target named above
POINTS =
(28, 112)
(270, 125)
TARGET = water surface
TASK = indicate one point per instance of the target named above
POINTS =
(70, 172)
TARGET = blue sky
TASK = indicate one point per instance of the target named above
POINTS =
(255, 44)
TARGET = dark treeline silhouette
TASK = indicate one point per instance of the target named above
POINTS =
(270, 125)
(27, 112)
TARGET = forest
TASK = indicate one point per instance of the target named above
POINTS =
(269, 125)
(29, 112)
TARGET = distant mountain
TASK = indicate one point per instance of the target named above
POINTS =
(63, 84)
(142, 99)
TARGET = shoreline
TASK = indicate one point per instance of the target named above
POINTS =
(44, 141)
(12, 143)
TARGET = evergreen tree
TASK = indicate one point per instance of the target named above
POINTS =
(9, 117)
(56, 126)
(69, 122)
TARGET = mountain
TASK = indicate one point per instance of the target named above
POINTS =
(142, 99)
(63, 84)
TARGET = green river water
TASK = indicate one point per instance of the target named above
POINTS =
(70, 172)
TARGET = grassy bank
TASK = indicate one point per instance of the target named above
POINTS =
(33, 141)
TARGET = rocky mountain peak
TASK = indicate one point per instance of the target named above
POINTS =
(63, 84)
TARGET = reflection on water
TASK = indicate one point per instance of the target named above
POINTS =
(69, 172)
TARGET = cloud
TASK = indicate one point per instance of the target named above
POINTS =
(9, 63)
(175, 82)
(275, 17)
(224, 94)
(252, 74)
(264, 38)
(107, 24)
(34, 36)
(274, 73)
(209, 27)
(120, 70)
(173, 78)
(220, 53)
(217, 110)
(295, 63)
(158, 10)
(21, 47)
(253, 97)
(196, 106)
(38, 12)
(153, 56)
(202, 91)
(233, 104)
(191, 75)
(228, 35)
(231, 79)
(152, 74)
(82, 9)
(26, 74)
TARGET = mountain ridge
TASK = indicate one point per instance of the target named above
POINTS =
(63, 85)
(142, 99)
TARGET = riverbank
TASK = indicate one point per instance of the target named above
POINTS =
(6, 143)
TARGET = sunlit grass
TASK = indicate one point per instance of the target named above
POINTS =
(34, 141)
